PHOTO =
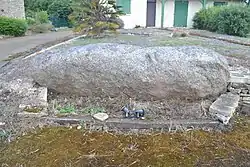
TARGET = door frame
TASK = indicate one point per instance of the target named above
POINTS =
(147, 18)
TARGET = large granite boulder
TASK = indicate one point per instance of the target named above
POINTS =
(186, 72)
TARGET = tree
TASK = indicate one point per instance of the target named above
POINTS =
(94, 16)
(59, 11)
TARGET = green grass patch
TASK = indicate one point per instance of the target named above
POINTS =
(67, 109)
(92, 110)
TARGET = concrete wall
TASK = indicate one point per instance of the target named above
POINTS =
(138, 14)
(168, 14)
(12, 8)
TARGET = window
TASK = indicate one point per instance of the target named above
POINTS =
(220, 3)
(125, 5)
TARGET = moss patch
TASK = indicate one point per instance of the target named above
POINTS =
(72, 147)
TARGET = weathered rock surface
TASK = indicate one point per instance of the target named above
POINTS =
(101, 116)
(29, 95)
(145, 73)
(224, 107)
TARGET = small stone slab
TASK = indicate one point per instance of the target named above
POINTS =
(224, 107)
(101, 116)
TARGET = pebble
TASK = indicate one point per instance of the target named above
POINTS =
(2, 123)
(79, 127)
(101, 116)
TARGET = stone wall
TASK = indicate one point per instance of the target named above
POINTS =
(12, 8)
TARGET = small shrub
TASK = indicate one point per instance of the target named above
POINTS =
(117, 21)
(41, 28)
(30, 21)
(12, 26)
(42, 17)
(67, 109)
(232, 20)
(93, 110)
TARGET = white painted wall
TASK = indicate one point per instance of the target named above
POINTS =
(138, 14)
(193, 7)
(168, 15)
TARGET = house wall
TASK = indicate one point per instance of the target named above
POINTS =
(12, 8)
(138, 14)
(168, 14)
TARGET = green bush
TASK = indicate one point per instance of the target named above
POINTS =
(232, 20)
(41, 28)
(12, 26)
(30, 21)
(42, 17)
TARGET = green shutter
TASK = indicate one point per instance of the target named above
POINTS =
(125, 4)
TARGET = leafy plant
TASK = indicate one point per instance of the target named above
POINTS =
(93, 110)
(41, 28)
(93, 17)
(67, 109)
(42, 17)
(12, 26)
(59, 11)
(232, 20)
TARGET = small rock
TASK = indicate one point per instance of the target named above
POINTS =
(246, 99)
(101, 116)
(2, 123)
(79, 127)
(244, 91)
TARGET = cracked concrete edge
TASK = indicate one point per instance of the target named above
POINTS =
(126, 124)
(54, 46)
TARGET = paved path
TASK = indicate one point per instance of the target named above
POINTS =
(21, 44)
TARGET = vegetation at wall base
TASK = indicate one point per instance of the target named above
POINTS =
(231, 20)
(12, 26)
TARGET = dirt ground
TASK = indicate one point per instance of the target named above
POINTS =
(71, 147)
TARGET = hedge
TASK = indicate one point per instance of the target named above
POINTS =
(12, 26)
(231, 20)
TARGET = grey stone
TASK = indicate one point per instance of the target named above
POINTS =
(12, 8)
(224, 107)
(246, 99)
(244, 91)
(101, 116)
(188, 72)
(29, 95)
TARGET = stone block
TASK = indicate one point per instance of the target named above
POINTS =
(224, 107)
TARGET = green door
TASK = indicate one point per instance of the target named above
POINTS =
(180, 13)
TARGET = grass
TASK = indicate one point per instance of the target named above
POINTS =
(92, 110)
(67, 109)
(72, 147)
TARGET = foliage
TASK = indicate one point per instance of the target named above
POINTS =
(41, 28)
(93, 17)
(12, 26)
(67, 109)
(30, 21)
(60, 10)
(93, 110)
(232, 20)
(42, 17)
(56, 10)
